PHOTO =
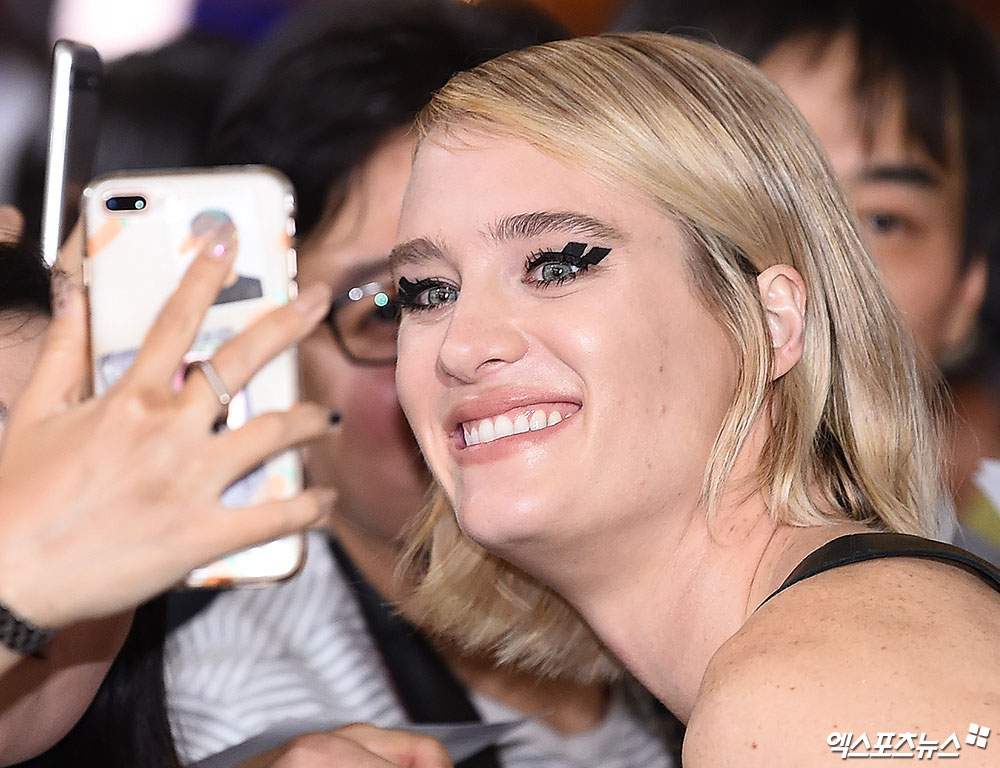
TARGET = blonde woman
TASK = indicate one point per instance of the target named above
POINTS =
(652, 367)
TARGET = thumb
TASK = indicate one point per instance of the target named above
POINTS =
(59, 376)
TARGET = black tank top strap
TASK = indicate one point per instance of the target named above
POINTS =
(859, 547)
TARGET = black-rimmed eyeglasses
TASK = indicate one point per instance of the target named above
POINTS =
(364, 323)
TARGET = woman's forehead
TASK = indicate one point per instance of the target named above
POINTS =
(491, 182)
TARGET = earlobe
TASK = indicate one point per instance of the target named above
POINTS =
(783, 296)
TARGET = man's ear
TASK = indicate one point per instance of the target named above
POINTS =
(967, 302)
(783, 296)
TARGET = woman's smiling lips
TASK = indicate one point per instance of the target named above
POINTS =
(484, 421)
(516, 422)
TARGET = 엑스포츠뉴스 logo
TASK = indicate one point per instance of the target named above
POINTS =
(916, 745)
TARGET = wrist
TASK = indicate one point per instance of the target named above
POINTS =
(24, 591)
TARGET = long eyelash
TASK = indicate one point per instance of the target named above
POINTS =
(573, 254)
(408, 291)
(542, 256)
(553, 257)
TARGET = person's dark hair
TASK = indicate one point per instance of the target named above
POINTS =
(158, 107)
(126, 724)
(25, 283)
(945, 61)
(338, 79)
(697, 17)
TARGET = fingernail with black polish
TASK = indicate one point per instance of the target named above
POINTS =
(334, 417)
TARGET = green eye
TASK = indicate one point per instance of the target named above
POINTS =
(424, 294)
(441, 294)
(556, 272)
(547, 268)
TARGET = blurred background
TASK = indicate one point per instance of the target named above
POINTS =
(118, 28)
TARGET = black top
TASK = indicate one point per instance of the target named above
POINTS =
(858, 547)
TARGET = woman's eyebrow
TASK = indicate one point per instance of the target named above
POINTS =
(519, 226)
(523, 226)
(416, 251)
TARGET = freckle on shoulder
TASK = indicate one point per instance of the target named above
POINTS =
(854, 643)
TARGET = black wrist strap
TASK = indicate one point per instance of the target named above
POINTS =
(19, 634)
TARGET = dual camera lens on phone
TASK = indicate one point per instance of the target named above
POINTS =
(125, 203)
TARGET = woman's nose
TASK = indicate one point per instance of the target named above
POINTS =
(481, 335)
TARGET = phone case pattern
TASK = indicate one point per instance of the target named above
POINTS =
(136, 259)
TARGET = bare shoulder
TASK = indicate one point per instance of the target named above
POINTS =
(895, 646)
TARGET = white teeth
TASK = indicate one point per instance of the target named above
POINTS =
(488, 430)
(503, 427)
(471, 435)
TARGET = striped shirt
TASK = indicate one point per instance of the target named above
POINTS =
(301, 650)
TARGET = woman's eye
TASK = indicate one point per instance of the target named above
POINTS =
(545, 267)
(553, 272)
(425, 294)
(434, 297)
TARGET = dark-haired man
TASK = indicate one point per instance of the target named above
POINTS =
(903, 96)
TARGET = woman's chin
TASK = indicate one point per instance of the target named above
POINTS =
(502, 524)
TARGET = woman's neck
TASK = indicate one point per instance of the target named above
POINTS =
(684, 594)
(679, 602)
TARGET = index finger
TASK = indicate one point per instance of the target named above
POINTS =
(178, 321)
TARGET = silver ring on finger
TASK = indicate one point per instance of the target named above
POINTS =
(212, 376)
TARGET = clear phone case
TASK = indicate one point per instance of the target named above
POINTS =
(141, 234)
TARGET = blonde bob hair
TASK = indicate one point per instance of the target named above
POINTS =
(721, 151)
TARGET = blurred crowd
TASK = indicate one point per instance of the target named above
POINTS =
(326, 92)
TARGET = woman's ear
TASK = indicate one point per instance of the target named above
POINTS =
(783, 295)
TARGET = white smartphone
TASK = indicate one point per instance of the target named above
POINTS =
(74, 111)
(142, 230)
